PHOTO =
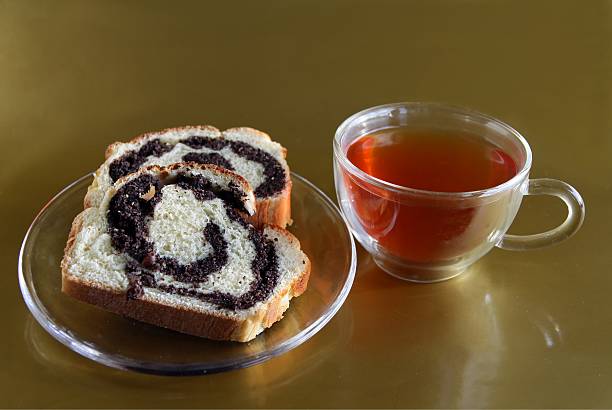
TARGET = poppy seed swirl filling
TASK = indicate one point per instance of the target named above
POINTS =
(206, 150)
(133, 211)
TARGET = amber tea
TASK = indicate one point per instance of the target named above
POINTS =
(429, 160)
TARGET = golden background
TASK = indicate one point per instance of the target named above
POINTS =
(530, 329)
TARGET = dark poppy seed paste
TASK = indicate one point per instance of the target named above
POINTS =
(128, 218)
(274, 173)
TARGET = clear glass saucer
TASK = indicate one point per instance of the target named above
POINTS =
(127, 344)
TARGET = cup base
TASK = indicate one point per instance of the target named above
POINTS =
(418, 274)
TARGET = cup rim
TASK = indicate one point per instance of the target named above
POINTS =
(340, 155)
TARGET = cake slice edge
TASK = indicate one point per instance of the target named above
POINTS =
(211, 324)
(275, 210)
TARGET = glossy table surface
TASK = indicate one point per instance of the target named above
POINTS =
(520, 329)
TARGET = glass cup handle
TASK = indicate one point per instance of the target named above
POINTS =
(575, 216)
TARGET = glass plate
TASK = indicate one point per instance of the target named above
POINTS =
(124, 343)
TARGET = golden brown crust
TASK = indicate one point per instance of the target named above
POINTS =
(176, 318)
(301, 284)
(275, 210)
(111, 149)
(185, 320)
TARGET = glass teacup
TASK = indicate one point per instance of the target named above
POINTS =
(461, 226)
